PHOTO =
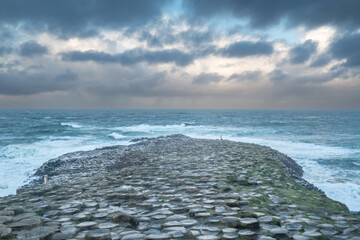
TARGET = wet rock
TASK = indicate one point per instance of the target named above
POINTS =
(86, 225)
(279, 232)
(249, 223)
(328, 232)
(293, 227)
(312, 234)
(125, 218)
(230, 236)
(231, 222)
(26, 223)
(40, 232)
(247, 234)
(134, 237)
(107, 225)
(207, 237)
(100, 234)
(62, 236)
(6, 219)
(300, 237)
(161, 236)
(5, 231)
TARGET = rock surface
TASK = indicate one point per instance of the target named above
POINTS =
(174, 187)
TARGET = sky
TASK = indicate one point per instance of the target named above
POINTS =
(179, 54)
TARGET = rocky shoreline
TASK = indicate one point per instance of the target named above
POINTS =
(174, 187)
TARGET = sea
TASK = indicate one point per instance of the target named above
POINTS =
(325, 143)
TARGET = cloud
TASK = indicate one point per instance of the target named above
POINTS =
(130, 57)
(278, 76)
(247, 48)
(246, 76)
(67, 18)
(5, 34)
(5, 50)
(302, 52)
(263, 14)
(347, 47)
(171, 31)
(16, 83)
(206, 78)
(31, 49)
(67, 76)
(321, 60)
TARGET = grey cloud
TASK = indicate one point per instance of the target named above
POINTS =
(302, 52)
(5, 34)
(246, 76)
(165, 33)
(131, 57)
(247, 48)
(5, 50)
(263, 13)
(313, 78)
(278, 76)
(151, 39)
(31, 49)
(80, 18)
(67, 76)
(140, 83)
(347, 48)
(321, 60)
(205, 78)
(24, 83)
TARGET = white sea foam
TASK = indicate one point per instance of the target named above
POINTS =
(117, 135)
(19, 161)
(347, 193)
(71, 124)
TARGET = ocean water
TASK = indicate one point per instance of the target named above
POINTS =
(325, 143)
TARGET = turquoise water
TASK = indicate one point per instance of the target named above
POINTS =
(325, 143)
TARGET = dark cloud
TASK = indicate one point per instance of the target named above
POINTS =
(302, 52)
(31, 49)
(5, 50)
(15, 82)
(140, 83)
(206, 78)
(263, 13)
(163, 32)
(5, 34)
(314, 78)
(131, 57)
(67, 76)
(151, 39)
(347, 48)
(247, 48)
(81, 18)
(278, 76)
(246, 76)
(321, 60)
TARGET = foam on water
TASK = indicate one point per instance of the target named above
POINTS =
(116, 135)
(23, 159)
(71, 124)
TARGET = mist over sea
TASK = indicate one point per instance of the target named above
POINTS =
(325, 143)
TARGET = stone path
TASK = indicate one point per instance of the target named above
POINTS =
(178, 188)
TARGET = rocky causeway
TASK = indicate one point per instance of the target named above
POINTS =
(174, 187)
